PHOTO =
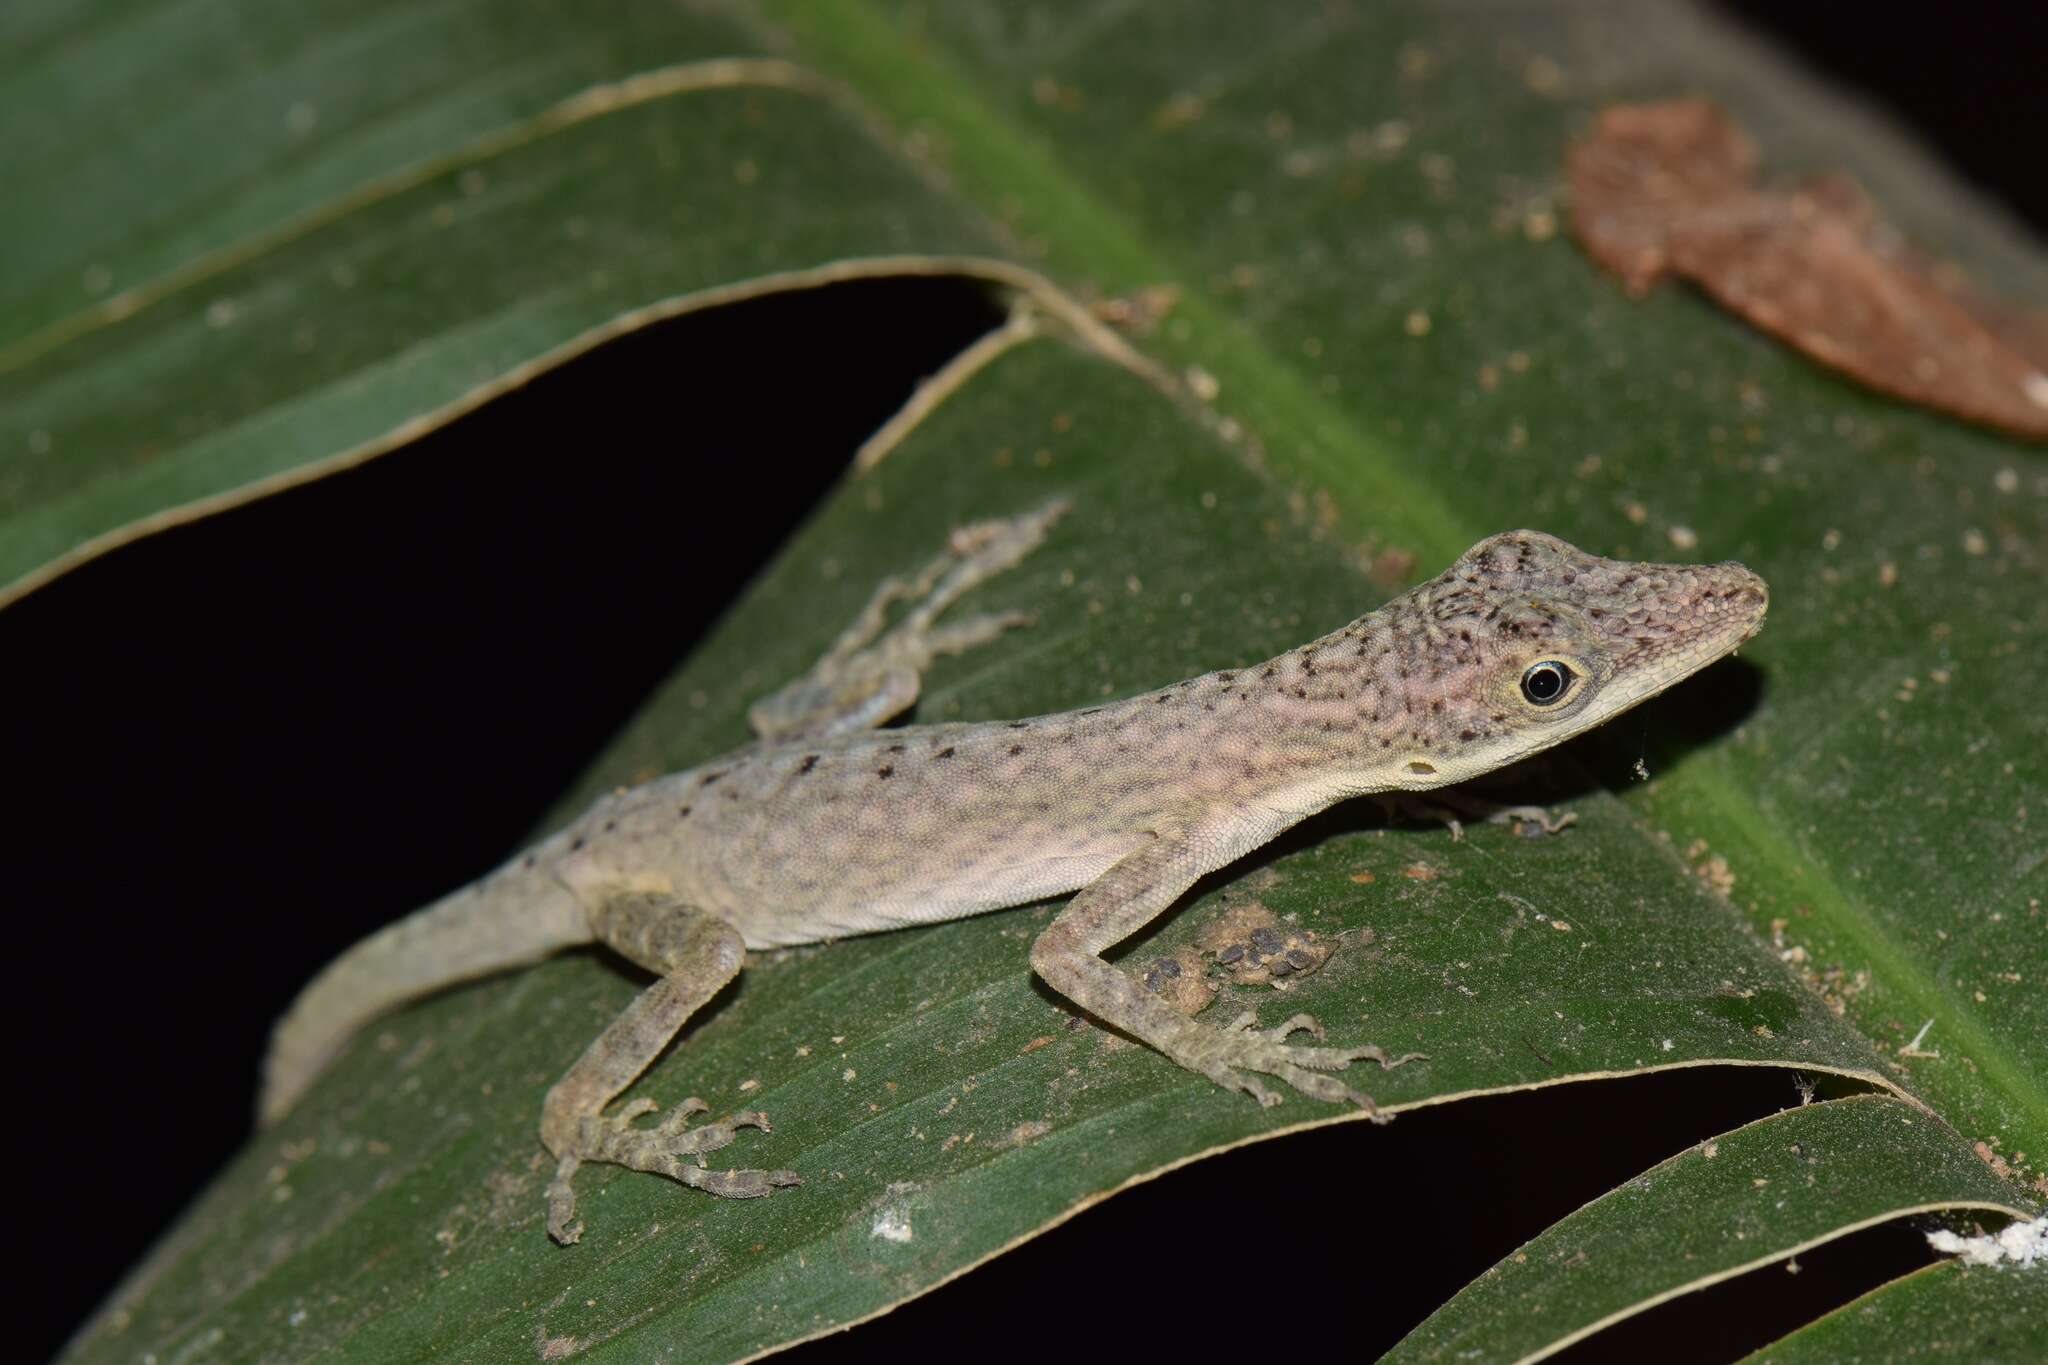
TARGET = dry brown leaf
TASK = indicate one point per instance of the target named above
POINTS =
(1669, 189)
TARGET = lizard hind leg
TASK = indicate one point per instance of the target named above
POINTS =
(697, 954)
(872, 671)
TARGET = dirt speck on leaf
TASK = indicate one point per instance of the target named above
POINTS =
(1181, 980)
(1026, 1132)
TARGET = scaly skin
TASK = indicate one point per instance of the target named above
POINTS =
(829, 827)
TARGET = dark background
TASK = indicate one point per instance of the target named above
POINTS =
(240, 714)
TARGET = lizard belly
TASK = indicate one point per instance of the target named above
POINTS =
(924, 891)
(800, 843)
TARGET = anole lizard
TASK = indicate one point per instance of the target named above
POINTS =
(828, 825)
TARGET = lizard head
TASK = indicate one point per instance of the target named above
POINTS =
(1527, 641)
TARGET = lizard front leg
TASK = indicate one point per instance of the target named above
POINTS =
(870, 675)
(696, 953)
(1121, 901)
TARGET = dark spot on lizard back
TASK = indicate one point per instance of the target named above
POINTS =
(810, 762)
(886, 770)
(1016, 749)
(576, 844)
(946, 752)
(895, 748)
(709, 778)
(1020, 725)
(682, 813)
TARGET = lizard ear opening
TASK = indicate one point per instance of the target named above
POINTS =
(1420, 768)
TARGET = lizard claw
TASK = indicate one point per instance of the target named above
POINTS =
(671, 1148)
(1248, 1048)
(680, 1116)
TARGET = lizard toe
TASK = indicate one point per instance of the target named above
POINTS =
(1300, 1023)
(745, 1184)
(1329, 1089)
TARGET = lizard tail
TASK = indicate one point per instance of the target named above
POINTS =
(515, 916)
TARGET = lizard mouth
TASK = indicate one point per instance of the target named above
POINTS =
(1710, 612)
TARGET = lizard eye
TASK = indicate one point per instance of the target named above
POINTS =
(1546, 683)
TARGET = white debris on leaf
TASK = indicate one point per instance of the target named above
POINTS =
(892, 1220)
(2023, 1244)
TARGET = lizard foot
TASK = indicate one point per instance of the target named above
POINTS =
(1447, 804)
(659, 1150)
(1248, 1048)
(1532, 822)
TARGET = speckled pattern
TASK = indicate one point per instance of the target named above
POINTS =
(925, 823)
(835, 828)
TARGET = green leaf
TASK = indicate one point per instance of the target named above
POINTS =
(1948, 1312)
(1758, 1195)
(1375, 350)
(354, 320)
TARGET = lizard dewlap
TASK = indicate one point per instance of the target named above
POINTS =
(829, 825)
